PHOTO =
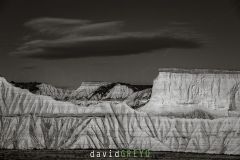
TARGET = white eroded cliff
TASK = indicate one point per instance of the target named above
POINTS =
(86, 89)
(17, 101)
(30, 121)
(119, 91)
(56, 93)
(183, 89)
(14, 100)
(122, 129)
(139, 98)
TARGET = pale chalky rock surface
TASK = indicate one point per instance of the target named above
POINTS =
(29, 121)
(56, 93)
(122, 129)
(139, 98)
(182, 89)
(86, 89)
(119, 92)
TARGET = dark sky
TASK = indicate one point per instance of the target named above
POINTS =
(66, 42)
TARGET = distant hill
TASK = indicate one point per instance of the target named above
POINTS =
(91, 92)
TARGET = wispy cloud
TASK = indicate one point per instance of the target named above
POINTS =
(72, 27)
(83, 38)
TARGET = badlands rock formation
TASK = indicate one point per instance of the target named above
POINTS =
(31, 86)
(90, 93)
(119, 91)
(44, 89)
(182, 90)
(49, 90)
(97, 92)
(113, 91)
(120, 131)
(17, 101)
(86, 89)
(139, 98)
(30, 121)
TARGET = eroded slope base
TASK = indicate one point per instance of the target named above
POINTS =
(121, 130)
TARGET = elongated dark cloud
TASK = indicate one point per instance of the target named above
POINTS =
(72, 28)
(83, 38)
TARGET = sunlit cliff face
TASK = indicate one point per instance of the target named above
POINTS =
(179, 89)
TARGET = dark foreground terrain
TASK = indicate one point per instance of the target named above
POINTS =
(85, 154)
